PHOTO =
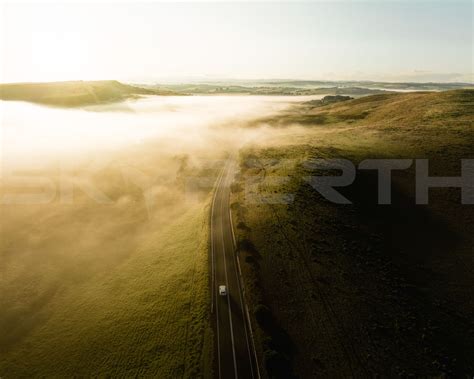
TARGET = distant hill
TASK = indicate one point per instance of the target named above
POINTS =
(398, 86)
(74, 93)
(230, 89)
(304, 87)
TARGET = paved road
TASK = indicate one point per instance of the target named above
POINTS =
(234, 349)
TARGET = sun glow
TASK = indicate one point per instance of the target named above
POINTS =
(144, 41)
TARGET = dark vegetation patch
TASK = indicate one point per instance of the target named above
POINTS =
(330, 99)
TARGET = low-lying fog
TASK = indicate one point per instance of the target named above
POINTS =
(81, 190)
(86, 193)
(33, 133)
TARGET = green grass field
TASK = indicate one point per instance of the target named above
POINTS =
(116, 289)
(146, 317)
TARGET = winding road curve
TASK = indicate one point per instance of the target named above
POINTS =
(234, 347)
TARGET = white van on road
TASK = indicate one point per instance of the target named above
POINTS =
(222, 290)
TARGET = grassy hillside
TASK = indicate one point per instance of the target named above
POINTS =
(384, 111)
(74, 93)
(360, 289)
(107, 289)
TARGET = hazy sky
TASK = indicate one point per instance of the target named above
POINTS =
(405, 40)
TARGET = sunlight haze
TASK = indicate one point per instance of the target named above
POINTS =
(236, 190)
(419, 41)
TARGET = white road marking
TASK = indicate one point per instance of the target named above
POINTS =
(213, 273)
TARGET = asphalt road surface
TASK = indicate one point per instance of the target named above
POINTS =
(234, 348)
